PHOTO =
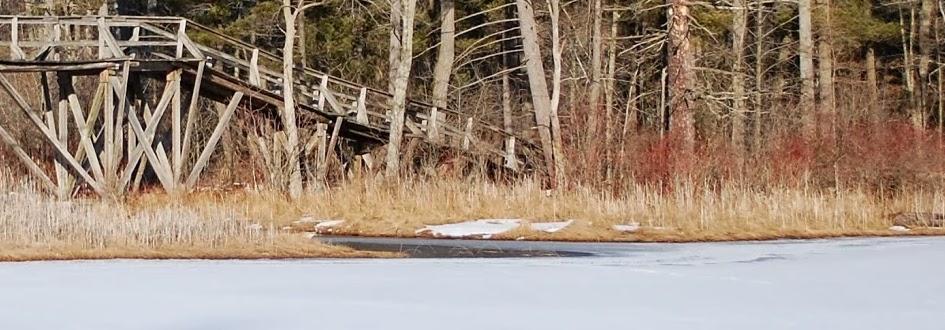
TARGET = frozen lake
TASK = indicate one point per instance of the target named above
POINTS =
(845, 284)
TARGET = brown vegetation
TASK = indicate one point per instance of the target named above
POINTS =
(36, 227)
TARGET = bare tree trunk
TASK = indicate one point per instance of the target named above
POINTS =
(557, 57)
(610, 83)
(597, 45)
(758, 109)
(536, 80)
(679, 74)
(739, 27)
(825, 62)
(288, 96)
(396, 17)
(401, 81)
(805, 52)
(907, 58)
(446, 52)
(303, 51)
(926, 48)
(872, 82)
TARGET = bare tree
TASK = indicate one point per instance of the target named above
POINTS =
(407, 10)
(825, 60)
(536, 80)
(291, 14)
(554, 7)
(926, 49)
(805, 52)
(446, 52)
(739, 28)
(597, 46)
(679, 73)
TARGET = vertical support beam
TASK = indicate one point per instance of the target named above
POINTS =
(511, 160)
(181, 34)
(322, 92)
(362, 116)
(15, 51)
(176, 131)
(254, 69)
(108, 138)
(321, 166)
(65, 180)
(433, 131)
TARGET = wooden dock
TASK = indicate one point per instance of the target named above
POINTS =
(109, 140)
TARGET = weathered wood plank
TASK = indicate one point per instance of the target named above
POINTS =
(50, 136)
(214, 139)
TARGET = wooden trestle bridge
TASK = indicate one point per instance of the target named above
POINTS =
(120, 131)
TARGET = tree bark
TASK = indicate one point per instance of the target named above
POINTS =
(825, 62)
(557, 58)
(679, 74)
(396, 17)
(739, 117)
(400, 82)
(611, 88)
(872, 82)
(758, 108)
(926, 49)
(597, 46)
(805, 52)
(536, 80)
(446, 52)
(288, 96)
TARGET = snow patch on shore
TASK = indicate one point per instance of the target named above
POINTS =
(550, 227)
(487, 228)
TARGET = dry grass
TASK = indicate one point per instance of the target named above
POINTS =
(686, 212)
(36, 227)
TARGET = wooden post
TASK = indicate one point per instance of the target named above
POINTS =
(467, 134)
(511, 160)
(322, 90)
(362, 116)
(16, 53)
(181, 34)
(108, 139)
(254, 69)
(176, 131)
(433, 131)
(321, 167)
(66, 181)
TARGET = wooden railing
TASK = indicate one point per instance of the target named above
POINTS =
(171, 39)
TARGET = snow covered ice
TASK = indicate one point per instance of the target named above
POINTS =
(841, 284)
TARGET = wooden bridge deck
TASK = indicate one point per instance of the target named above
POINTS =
(207, 64)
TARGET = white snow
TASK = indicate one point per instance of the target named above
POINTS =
(550, 227)
(858, 284)
(901, 229)
(485, 228)
(329, 224)
(628, 228)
